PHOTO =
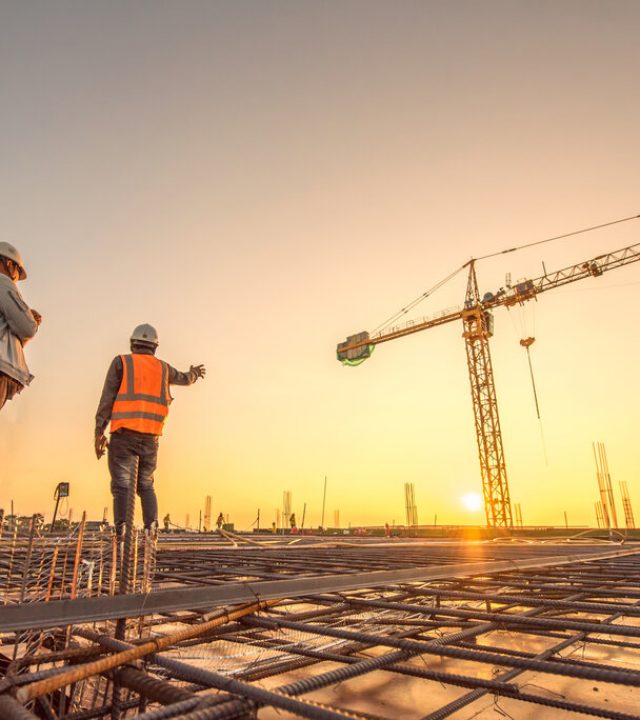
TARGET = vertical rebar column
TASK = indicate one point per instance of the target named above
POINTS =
(101, 564)
(114, 565)
(125, 579)
(148, 567)
(11, 557)
(606, 516)
(52, 572)
(626, 505)
(324, 498)
(78, 557)
(599, 514)
(26, 567)
(607, 478)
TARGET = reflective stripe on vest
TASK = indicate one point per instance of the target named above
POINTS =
(142, 402)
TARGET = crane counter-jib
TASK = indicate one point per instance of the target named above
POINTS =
(595, 267)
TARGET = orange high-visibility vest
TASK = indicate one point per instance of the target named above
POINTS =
(142, 402)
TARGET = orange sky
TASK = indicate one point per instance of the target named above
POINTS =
(260, 180)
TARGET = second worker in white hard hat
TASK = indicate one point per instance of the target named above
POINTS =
(135, 399)
(18, 324)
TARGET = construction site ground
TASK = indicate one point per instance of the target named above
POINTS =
(241, 626)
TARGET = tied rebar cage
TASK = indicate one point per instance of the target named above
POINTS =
(322, 629)
(39, 566)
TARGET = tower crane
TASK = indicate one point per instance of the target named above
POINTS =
(477, 323)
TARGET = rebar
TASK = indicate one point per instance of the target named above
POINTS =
(508, 594)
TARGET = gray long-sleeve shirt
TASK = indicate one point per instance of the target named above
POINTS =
(114, 380)
(17, 327)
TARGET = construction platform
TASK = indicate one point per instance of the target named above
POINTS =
(278, 627)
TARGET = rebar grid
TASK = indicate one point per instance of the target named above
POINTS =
(562, 638)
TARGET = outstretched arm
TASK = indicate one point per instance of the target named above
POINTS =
(186, 378)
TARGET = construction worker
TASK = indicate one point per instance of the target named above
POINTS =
(135, 399)
(220, 521)
(18, 324)
(167, 521)
(293, 524)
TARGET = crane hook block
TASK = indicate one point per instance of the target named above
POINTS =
(355, 349)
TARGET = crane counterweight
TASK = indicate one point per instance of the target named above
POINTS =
(355, 349)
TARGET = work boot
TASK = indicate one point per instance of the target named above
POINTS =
(151, 531)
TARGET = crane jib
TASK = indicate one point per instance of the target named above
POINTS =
(358, 346)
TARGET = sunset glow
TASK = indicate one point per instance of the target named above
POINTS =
(472, 502)
(259, 180)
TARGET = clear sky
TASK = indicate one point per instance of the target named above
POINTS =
(260, 180)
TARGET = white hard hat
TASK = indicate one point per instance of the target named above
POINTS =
(12, 253)
(145, 333)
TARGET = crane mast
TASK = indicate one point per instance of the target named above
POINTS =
(477, 322)
(478, 328)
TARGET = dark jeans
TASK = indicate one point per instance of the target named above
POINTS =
(8, 388)
(130, 452)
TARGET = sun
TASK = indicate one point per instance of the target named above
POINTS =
(472, 502)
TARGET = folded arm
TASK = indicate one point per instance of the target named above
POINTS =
(20, 320)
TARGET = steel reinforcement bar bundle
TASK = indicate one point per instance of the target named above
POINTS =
(366, 631)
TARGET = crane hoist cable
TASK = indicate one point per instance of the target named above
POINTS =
(526, 341)
(526, 344)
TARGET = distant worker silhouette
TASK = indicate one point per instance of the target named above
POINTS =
(293, 524)
(136, 399)
(18, 324)
(166, 521)
(220, 521)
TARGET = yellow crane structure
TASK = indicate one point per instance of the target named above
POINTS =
(477, 322)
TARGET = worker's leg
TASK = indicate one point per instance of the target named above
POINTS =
(148, 453)
(123, 462)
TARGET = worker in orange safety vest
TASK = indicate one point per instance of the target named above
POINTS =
(135, 399)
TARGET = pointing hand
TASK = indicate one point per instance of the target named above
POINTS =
(199, 370)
